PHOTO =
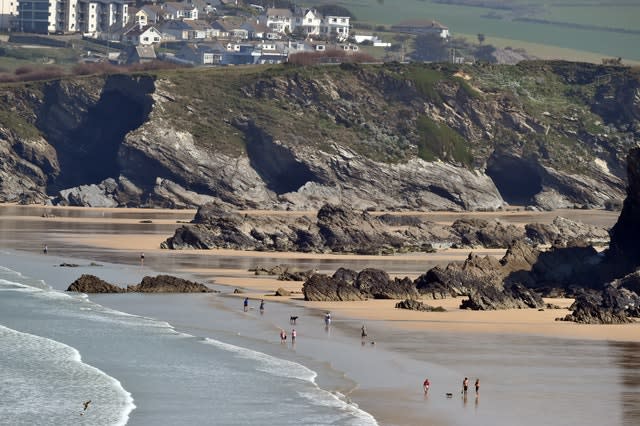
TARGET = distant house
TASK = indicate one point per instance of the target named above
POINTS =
(279, 20)
(421, 27)
(308, 21)
(258, 31)
(140, 54)
(145, 36)
(153, 13)
(180, 11)
(202, 54)
(188, 30)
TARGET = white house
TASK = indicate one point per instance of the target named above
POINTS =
(279, 20)
(310, 22)
(142, 36)
(180, 11)
(420, 27)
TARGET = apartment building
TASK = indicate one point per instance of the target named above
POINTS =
(67, 16)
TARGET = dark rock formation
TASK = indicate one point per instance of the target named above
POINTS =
(92, 284)
(320, 287)
(484, 233)
(415, 305)
(158, 284)
(377, 284)
(609, 306)
(514, 296)
(168, 284)
(563, 232)
(624, 249)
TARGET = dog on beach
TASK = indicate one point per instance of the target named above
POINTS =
(449, 395)
(293, 319)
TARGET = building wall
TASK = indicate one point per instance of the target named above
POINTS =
(8, 10)
(49, 16)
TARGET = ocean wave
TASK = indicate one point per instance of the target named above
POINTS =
(267, 363)
(45, 382)
(285, 368)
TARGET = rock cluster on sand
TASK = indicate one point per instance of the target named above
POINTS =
(339, 229)
(159, 284)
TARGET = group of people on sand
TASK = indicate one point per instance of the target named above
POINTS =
(465, 387)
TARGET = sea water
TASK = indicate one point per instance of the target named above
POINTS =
(58, 350)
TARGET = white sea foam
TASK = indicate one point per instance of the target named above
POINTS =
(46, 381)
(285, 368)
(268, 363)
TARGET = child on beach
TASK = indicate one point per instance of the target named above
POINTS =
(283, 336)
(426, 385)
(246, 304)
(262, 306)
(293, 335)
(465, 385)
(477, 386)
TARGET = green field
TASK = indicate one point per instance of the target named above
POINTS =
(609, 28)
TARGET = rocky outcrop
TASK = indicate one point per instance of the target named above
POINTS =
(390, 136)
(158, 284)
(168, 284)
(610, 306)
(624, 249)
(416, 305)
(376, 283)
(92, 284)
(334, 229)
(320, 287)
(563, 232)
(485, 233)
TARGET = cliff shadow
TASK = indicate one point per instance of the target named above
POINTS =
(280, 170)
(87, 137)
(517, 180)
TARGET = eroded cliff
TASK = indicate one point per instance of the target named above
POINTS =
(417, 136)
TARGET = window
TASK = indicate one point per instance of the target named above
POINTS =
(145, 39)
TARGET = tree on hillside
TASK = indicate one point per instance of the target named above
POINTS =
(430, 47)
(481, 38)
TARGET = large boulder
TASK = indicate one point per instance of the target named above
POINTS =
(486, 233)
(416, 305)
(168, 284)
(562, 231)
(591, 307)
(320, 287)
(92, 284)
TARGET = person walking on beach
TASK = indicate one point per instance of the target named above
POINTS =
(45, 249)
(477, 386)
(142, 258)
(426, 385)
(465, 385)
(327, 319)
(246, 304)
(363, 332)
(293, 336)
(283, 336)
(261, 306)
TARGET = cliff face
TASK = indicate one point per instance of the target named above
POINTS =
(388, 136)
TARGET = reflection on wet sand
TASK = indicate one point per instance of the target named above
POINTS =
(627, 356)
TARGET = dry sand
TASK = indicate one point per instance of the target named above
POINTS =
(525, 321)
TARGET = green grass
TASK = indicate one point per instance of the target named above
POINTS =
(439, 141)
(473, 20)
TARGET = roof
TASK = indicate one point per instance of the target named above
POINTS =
(279, 12)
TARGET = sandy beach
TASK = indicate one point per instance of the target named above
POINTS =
(146, 237)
